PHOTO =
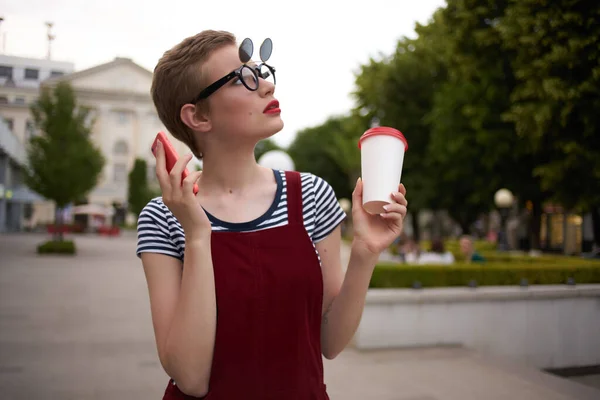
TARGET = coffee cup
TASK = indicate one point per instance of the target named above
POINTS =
(382, 156)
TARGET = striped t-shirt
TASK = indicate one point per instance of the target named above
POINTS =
(160, 232)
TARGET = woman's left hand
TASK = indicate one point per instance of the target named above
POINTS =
(375, 233)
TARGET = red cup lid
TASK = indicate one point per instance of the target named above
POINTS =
(383, 130)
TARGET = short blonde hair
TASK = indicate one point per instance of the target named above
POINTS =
(178, 78)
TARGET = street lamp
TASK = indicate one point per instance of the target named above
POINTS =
(278, 160)
(504, 200)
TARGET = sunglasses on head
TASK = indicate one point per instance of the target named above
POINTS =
(248, 75)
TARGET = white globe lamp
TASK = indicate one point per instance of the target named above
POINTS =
(503, 198)
(278, 160)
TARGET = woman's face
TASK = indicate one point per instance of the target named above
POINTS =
(235, 111)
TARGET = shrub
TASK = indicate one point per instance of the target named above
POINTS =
(489, 274)
(57, 247)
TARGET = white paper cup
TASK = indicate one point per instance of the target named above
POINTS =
(382, 155)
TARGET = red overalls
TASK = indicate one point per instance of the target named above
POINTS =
(269, 291)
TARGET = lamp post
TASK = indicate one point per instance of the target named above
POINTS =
(504, 200)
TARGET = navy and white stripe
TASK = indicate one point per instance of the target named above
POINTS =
(160, 232)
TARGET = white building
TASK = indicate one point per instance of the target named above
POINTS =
(20, 79)
(118, 92)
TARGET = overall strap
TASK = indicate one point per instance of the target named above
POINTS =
(294, 197)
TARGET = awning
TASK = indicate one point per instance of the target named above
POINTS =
(92, 209)
(21, 194)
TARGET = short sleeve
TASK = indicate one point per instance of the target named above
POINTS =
(153, 231)
(328, 213)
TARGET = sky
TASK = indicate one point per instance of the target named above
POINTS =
(318, 46)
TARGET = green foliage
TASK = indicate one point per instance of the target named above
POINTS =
(315, 150)
(342, 145)
(399, 92)
(64, 163)
(488, 274)
(139, 192)
(471, 143)
(555, 103)
(265, 146)
(57, 247)
(453, 246)
(490, 94)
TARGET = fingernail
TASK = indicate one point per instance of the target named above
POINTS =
(386, 208)
(159, 144)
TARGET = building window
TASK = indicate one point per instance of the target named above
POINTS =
(119, 172)
(16, 176)
(6, 71)
(32, 74)
(55, 74)
(153, 118)
(122, 117)
(29, 130)
(3, 100)
(10, 123)
(19, 100)
(121, 148)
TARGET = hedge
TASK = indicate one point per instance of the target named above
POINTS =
(487, 274)
(57, 247)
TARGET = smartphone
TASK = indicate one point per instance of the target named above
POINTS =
(170, 156)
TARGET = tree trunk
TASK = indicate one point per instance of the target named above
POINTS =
(415, 226)
(536, 225)
(596, 225)
(58, 225)
(464, 226)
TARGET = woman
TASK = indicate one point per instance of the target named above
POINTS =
(245, 279)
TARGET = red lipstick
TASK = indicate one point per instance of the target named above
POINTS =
(272, 108)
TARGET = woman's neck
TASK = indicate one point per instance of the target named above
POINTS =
(232, 171)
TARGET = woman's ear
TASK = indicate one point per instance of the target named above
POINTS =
(196, 121)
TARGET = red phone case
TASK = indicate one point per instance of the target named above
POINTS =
(170, 156)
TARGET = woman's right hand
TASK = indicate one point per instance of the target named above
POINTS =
(180, 198)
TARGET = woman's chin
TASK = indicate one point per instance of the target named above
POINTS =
(274, 126)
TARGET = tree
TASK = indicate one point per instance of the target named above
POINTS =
(139, 193)
(64, 164)
(265, 146)
(343, 134)
(467, 139)
(475, 149)
(555, 102)
(311, 152)
(399, 92)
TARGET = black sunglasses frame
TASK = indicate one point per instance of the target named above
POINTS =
(213, 87)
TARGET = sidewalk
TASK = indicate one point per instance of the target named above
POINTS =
(80, 328)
